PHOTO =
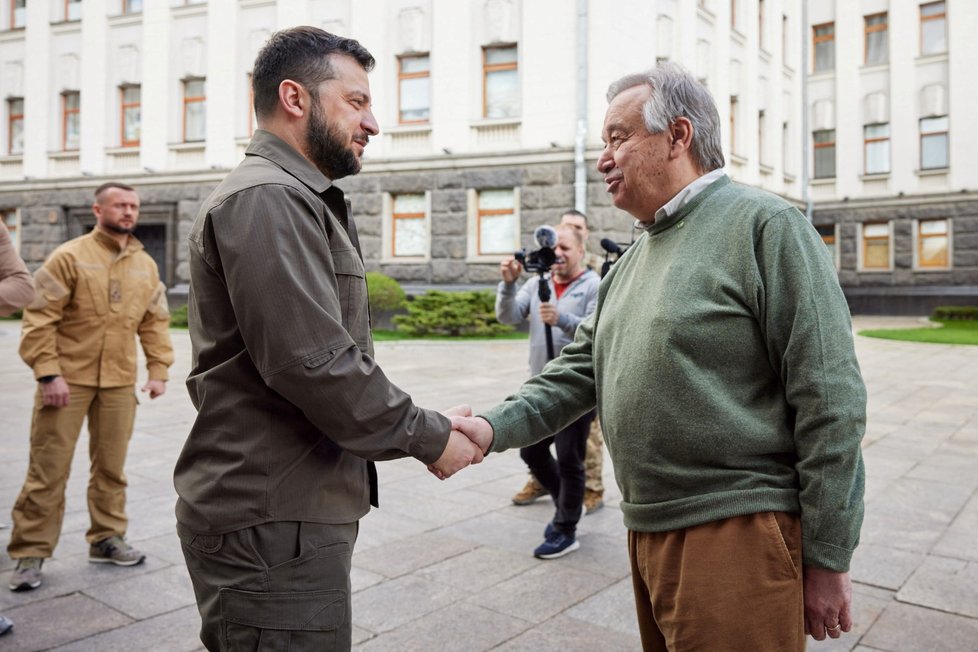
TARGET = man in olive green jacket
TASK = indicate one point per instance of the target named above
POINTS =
(292, 408)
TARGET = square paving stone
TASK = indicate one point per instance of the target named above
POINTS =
(950, 585)
(884, 566)
(477, 570)
(177, 631)
(49, 623)
(457, 627)
(390, 604)
(500, 530)
(147, 595)
(571, 635)
(542, 592)
(409, 554)
(380, 527)
(613, 608)
(908, 628)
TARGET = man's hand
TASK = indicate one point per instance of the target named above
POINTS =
(475, 428)
(549, 313)
(55, 393)
(154, 387)
(463, 410)
(458, 454)
(510, 269)
(828, 600)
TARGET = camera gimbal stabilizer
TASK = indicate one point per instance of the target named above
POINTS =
(540, 261)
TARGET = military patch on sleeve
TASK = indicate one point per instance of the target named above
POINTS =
(49, 290)
(158, 303)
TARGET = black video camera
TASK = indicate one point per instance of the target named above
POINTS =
(542, 259)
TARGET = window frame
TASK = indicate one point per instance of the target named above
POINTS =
(11, 119)
(123, 105)
(401, 76)
(67, 14)
(127, 8)
(836, 258)
(872, 29)
(13, 13)
(863, 242)
(14, 228)
(868, 142)
(488, 68)
(390, 245)
(65, 113)
(945, 134)
(816, 146)
(816, 39)
(187, 100)
(918, 242)
(474, 224)
(924, 19)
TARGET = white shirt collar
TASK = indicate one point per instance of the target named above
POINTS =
(687, 194)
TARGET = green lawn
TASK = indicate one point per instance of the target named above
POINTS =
(391, 336)
(949, 332)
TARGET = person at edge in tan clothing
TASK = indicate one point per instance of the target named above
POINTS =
(95, 295)
(594, 456)
(16, 291)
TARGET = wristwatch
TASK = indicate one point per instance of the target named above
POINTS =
(44, 380)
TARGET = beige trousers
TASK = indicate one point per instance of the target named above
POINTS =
(39, 510)
(732, 585)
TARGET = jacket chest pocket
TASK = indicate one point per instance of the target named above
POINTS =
(96, 290)
(352, 288)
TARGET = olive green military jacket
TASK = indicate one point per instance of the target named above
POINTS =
(291, 404)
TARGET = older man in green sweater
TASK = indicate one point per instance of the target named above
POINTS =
(721, 359)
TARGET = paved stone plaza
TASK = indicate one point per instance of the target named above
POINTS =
(448, 565)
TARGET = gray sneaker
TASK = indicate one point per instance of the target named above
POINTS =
(27, 575)
(114, 550)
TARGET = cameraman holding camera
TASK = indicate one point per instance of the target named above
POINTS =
(574, 292)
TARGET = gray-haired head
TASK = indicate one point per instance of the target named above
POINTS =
(677, 94)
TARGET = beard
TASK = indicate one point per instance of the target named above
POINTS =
(121, 230)
(328, 152)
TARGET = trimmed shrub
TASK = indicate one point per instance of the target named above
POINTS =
(178, 317)
(955, 313)
(456, 314)
(386, 294)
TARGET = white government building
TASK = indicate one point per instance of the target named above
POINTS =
(490, 114)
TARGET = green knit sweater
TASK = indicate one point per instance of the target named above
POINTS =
(721, 360)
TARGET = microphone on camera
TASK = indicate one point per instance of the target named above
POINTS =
(546, 236)
(611, 246)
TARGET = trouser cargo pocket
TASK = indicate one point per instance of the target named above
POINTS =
(282, 621)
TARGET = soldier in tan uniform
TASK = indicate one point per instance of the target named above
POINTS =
(593, 486)
(94, 295)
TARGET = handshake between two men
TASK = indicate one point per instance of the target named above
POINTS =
(468, 443)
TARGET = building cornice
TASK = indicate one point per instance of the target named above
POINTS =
(905, 200)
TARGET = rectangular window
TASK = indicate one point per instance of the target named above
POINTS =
(132, 6)
(933, 143)
(500, 82)
(933, 28)
(15, 126)
(761, 142)
(827, 233)
(414, 89)
(194, 110)
(933, 240)
(12, 222)
(70, 120)
(824, 42)
(73, 9)
(876, 147)
(876, 39)
(496, 231)
(130, 114)
(18, 14)
(824, 146)
(409, 229)
(876, 245)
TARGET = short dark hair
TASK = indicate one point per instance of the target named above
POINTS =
(301, 54)
(112, 184)
(575, 213)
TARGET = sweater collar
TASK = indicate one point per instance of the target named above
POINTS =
(685, 209)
